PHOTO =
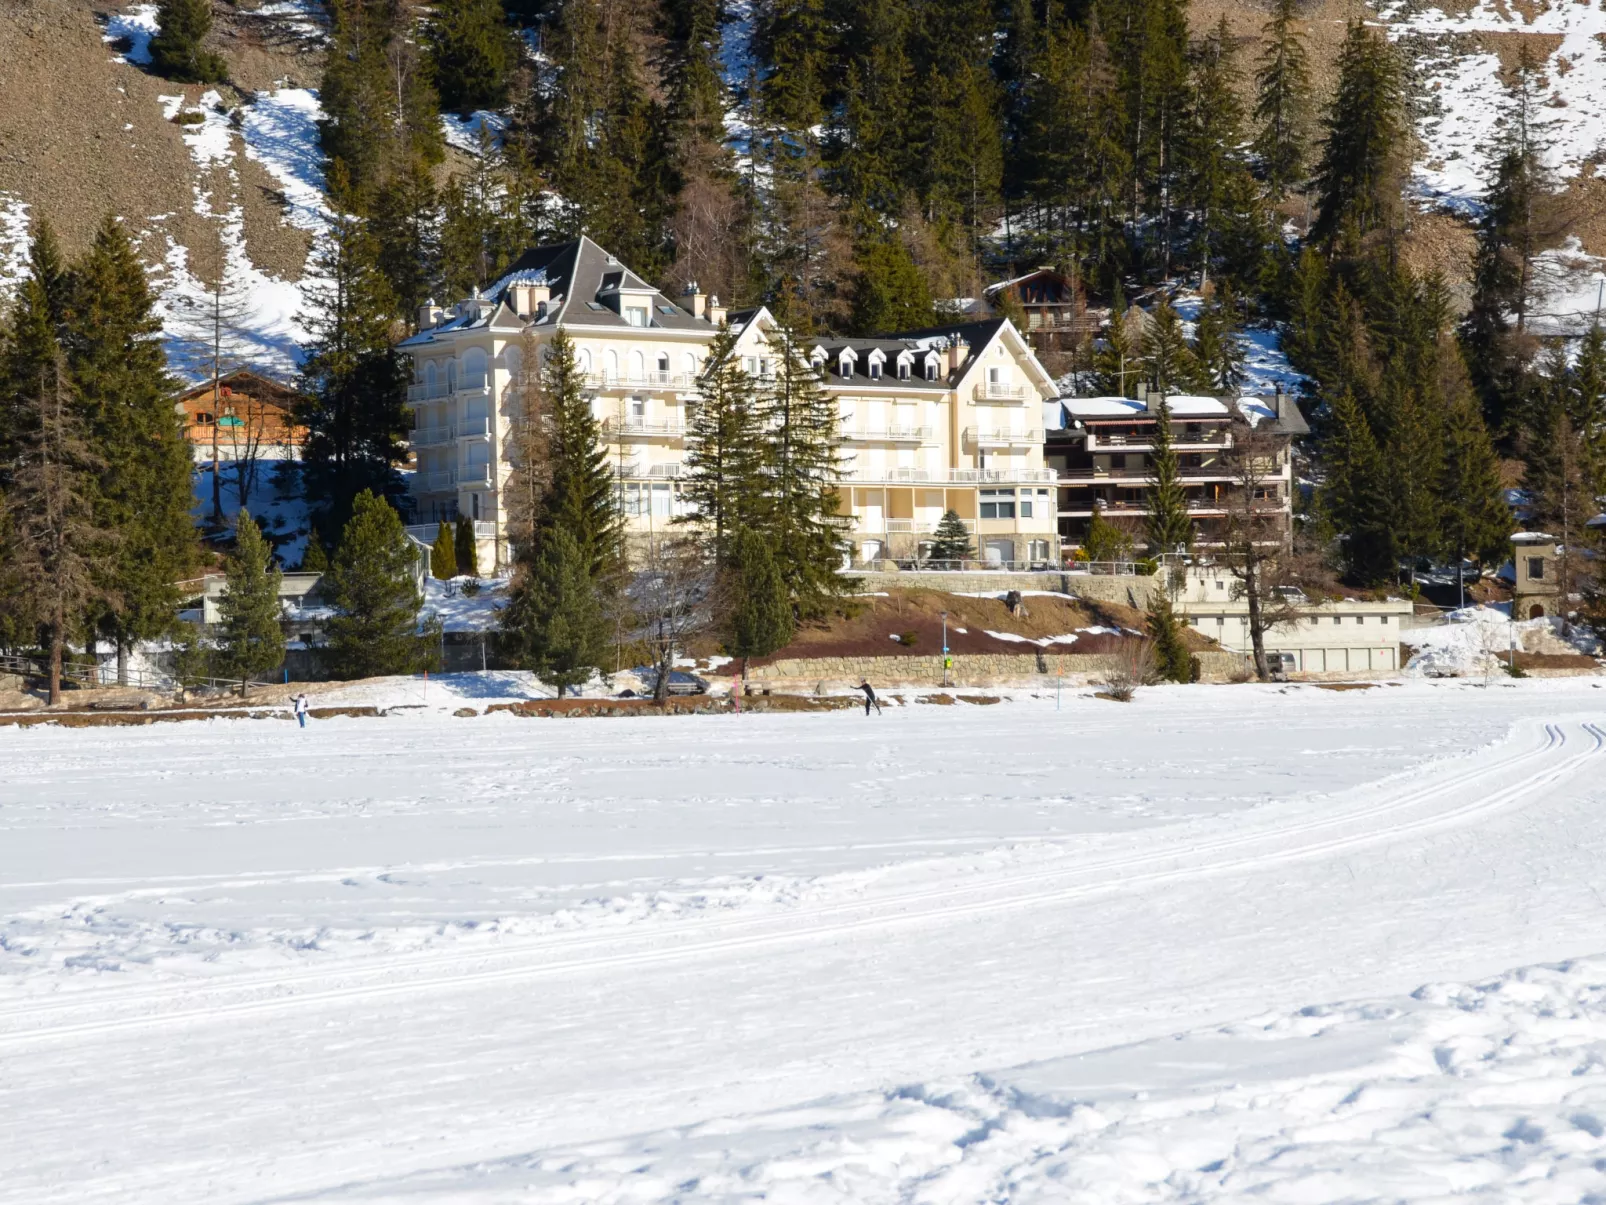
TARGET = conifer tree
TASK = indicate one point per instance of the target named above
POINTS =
(443, 553)
(29, 350)
(890, 293)
(1282, 102)
(251, 636)
(1557, 476)
(1214, 171)
(1354, 496)
(119, 375)
(802, 509)
(761, 616)
(314, 559)
(1105, 542)
(869, 159)
(1118, 359)
(176, 50)
(569, 552)
(795, 40)
(1362, 165)
(405, 227)
(370, 584)
(353, 379)
(1168, 526)
(1167, 360)
(472, 54)
(1216, 349)
(1172, 661)
(725, 449)
(951, 541)
(466, 549)
(1477, 522)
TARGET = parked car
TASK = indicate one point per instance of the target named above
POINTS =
(680, 682)
(1280, 665)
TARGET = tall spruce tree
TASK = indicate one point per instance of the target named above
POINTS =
(890, 293)
(405, 225)
(370, 585)
(951, 540)
(1216, 349)
(1354, 497)
(251, 635)
(1282, 102)
(1167, 526)
(353, 379)
(1360, 174)
(177, 52)
(1172, 661)
(1477, 521)
(802, 509)
(443, 553)
(761, 617)
(725, 448)
(119, 374)
(472, 54)
(466, 548)
(568, 556)
(1167, 359)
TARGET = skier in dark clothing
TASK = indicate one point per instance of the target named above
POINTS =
(869, 698)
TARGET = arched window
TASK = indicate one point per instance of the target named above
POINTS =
(638, 366)
(475, 362)
(690, 361)
(582, 359)
(610, 365)
(663, 362)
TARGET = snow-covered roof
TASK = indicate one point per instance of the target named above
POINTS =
(1181, 406)
(1532, 537)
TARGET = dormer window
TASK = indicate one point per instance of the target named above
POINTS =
(875, 370)
(844, 364)
(931, 370)
(903, 370)
(636, 315)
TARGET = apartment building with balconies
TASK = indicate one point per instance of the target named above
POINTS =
(1102, 449)
(947, 418)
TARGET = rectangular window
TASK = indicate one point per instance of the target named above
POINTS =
(1026, 508)
(636, 315)
(1536, 568)
(875, 370)
(903, 372)
(995, 506)
(1338, 619)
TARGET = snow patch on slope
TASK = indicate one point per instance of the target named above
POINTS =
(464, 132)
(15, 243)
(137, 26)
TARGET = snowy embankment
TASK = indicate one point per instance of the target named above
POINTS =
(727, 957)
(1479, 640)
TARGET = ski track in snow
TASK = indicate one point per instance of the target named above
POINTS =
(721, 958)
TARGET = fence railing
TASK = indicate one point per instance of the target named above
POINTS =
(999, 393)
(643, 426)
(887, 435)
(648, 380)
(983, 437)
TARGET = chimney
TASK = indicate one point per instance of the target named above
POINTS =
(958, 352)
(429, 316)
(1278, 402)
(540, 294)
(1143, 393)
(519, 295)
(692, 301)
(716, 312)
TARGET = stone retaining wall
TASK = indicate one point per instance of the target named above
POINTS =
(1129, 591)
(969, 669)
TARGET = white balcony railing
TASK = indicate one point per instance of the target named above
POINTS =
(1006, 476)
(666, 470)
(483, 529)
(999, 393)
(888, 435)
(473, 428)
(644, 426)
(474, 384)
(433, 483)
(986, 437)
(431, 437)
(894, 476)
(475, 474)
(650, 380)
(426, 392)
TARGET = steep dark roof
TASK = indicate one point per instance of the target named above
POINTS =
(578, 272)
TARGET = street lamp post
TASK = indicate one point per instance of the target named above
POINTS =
(945, 648)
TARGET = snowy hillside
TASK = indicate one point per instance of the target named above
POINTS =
(1087, 953)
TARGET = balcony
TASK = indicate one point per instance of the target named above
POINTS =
(1145, 476)
(609, 381)
(427, 392)
(475, 475)
(954, 476)
(1217, 437)
(643, 428)
(427, 532)
(984, 437)
(434, 483)
(912, 435)
(431, 437)
(474, 428)
(666, 470)
(999, 393)
(1007, 476)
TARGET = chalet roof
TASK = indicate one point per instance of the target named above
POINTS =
(248, 383)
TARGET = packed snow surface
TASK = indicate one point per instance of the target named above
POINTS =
(1218, 944)
(15, 243)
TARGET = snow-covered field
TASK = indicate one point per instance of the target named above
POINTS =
(1220, 944)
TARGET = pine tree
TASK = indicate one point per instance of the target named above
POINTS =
(1361, 171)
(551, 619)
(28, 356)
(1282, 102)
(443, 553)
(1167, 525)
(951, 542)
(1557, 477)
(890, 293)
(405, 226)
(1214, 175)
(1104, 542)
(802, 509)
(795, 39)
(251, 636)
(1477, 522)
(1172, 661)
(353, 379)
(761, 617)
(314, 559)
(370, 585)
(724, 450)
(1216, 349)
(56, 557)
(1167, 359)
(119, 374)
(564, 633)
(1118, 359)
(176, 51)
(472, 54)
(1355, 498)
(466, 548)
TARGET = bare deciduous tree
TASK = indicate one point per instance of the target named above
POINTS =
(1256, 547)
(673, 599)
